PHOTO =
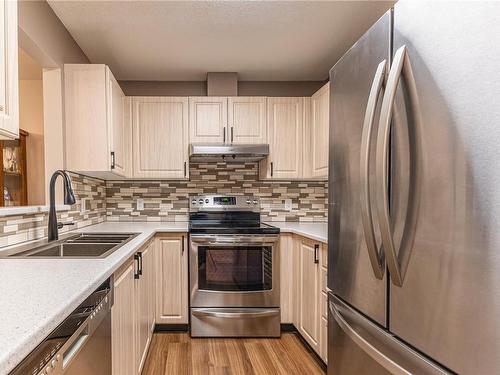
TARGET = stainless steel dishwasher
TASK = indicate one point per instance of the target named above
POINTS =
(81, 344)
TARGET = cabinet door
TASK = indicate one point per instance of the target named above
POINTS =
(285, 127)
(123, 324)
(152, 287)
(287, 301)
(318, 133)
(143, 321)
(309, 292)
(208, 119)
(9, 85)
(172, 280)
(87, 130)
(323, 353)
(247, 120)
(160, 133)
(116, 120)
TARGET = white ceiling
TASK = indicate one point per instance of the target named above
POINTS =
(183, 40)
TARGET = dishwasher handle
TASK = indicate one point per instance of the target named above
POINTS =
(69, 351)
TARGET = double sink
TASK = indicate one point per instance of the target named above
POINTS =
(82, 245)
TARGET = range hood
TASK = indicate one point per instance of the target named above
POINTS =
(227, 153)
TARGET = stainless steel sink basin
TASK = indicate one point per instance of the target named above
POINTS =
(83, 245)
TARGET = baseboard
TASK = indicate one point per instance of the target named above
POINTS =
(288, 327)
(316, 357)
(171, 327)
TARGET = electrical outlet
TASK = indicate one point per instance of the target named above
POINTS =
(288, 204)
(140, 204)
(83, 205)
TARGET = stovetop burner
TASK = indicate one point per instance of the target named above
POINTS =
(215, 214)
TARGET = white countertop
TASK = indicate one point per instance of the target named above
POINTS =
(37, 294)
(314, 231)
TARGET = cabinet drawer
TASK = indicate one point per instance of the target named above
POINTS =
(324, 305)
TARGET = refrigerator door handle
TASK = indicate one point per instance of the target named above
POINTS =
(397, 263)
(376, 257)
(383, 347)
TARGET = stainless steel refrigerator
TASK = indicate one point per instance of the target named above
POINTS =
(414, 201)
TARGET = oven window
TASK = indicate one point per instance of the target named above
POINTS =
(235, 268)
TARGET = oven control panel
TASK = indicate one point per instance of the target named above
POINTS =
(224, 203)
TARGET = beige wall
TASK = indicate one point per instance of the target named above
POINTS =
(43, 36)
(199, 88)
(31, 120)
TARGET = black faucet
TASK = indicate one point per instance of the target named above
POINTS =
(69, 198)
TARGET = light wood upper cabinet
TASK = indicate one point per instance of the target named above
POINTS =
(309, 312)
(9, 84)
(123, 346)
(96, 140)
(118, 135)
(172, 280)
(160, 137)
(317, 130)
(247, 120)
(285, 121)
(208, 119)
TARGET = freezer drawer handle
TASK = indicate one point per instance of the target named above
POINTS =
(376, 257)
(367, 347)
(397, 263)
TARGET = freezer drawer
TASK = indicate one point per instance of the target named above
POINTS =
(358, 346)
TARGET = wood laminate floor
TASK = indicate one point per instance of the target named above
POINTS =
(179, 354)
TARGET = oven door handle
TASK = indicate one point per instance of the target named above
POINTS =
(235, 315)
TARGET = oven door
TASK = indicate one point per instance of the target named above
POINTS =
(234, 270)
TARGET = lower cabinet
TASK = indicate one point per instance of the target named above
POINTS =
(286, 279)
(123, 322)
(144, 297)
(132, 315)
(309, 291)
(303, 289)
(172, 279)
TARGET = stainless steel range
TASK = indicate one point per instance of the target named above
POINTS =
(234, 269)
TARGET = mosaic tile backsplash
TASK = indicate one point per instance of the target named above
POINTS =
(20, 228)
(169, 200)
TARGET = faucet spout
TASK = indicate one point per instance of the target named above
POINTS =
(69, 199)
